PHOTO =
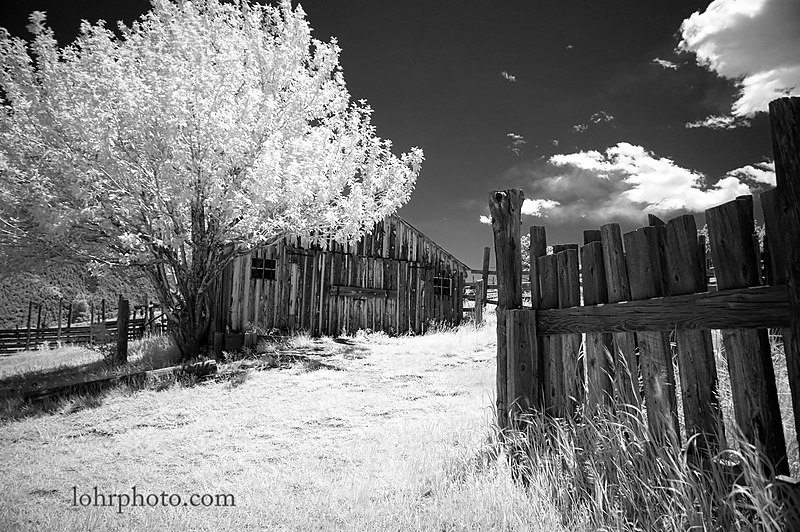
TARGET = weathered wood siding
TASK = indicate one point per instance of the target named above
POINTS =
(385, 282)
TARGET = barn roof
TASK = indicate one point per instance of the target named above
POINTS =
(444, 251)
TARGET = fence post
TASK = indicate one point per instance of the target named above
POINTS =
(522, 361)
(479, 288)
(487, 251)
(755, 395)
(626, 368)
(784, 117)
(644, 250)
(91, 323)
(599, 346)
(538, 236)
(28, 326)
(569, 295)
(552, 363)
(60, 310)
(505, 207)
(686, 274)
(122, 330)
(39, 324)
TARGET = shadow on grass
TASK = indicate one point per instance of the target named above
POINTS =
(87, 385)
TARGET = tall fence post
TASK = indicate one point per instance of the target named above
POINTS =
(569, 295)
(479, 302)
(644, 250)
(626, 368)
(538, 236)
(60, 310)
(123, 313)
(39, 324)
(505, 207)
(552, 363)
(487, 251)
(28, 326)
(784, 117)
(686, 274)
(599, 346)
(755, 395)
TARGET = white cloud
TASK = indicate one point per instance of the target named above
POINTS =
(554, 142)
(719, 122)
(517, 141)
(754, 42)
(485, 219)
(665, 63)
(579, 128)
(626, 182)
(763, 172)
(508, 77)
(538, 207)
(570, 47)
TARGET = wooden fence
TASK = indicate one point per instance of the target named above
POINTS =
(637, 289)
(95, 332)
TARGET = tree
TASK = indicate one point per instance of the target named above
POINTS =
(203, 130)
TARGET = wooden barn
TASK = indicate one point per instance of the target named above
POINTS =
(395, 279)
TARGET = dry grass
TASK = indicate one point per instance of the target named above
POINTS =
(366, 433)
(151, 352)
(363, 433)
(69, 364)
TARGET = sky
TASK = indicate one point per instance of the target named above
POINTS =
(599, 111)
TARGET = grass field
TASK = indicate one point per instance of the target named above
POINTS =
(373, 433)
(357, 433)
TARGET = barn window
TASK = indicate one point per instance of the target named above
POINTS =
(442, 286)
(263, 269)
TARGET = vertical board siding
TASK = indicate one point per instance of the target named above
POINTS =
(393, 257)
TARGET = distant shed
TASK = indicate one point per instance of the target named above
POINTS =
(395, 279)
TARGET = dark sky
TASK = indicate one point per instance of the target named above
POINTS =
(432, 72)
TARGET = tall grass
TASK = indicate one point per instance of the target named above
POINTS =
(608, 468)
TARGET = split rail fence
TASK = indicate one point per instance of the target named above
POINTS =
(639, 291)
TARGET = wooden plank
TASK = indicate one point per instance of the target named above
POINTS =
(777, 250)
(37, 391)
(644, 258)
(599, 346)
(522, 357)
(246, 286)
(505, 207)
(785, 129)
(538, 236)
(755, 397)
(626, 367)
(744, 308)
(569, 295)
(685, 274)
(256, 302)
(551, 361)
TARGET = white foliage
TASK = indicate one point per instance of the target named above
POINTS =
(230, 112)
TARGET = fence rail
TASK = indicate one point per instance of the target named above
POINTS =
(642, 301)
(14, 340)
